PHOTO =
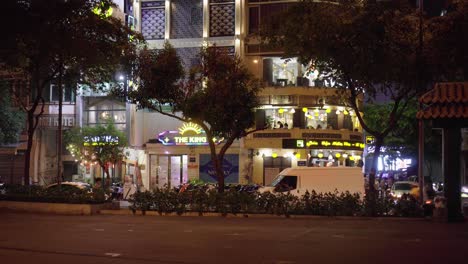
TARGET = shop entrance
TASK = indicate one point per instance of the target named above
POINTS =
(168, 170)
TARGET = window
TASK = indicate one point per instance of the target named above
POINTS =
(287, 184)
(53, 96)
(259, 14)
(97, 110)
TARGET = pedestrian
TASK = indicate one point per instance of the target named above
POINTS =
(280, 125)
(286, 126)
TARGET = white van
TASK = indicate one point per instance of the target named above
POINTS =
(320, 179)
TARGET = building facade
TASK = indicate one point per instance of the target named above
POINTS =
(308, 125)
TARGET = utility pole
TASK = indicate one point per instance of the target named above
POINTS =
(420, 121)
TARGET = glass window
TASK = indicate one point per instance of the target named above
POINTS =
(280, 117)
(52, 95)
(98, 110)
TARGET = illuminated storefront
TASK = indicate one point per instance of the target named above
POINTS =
(275, 150)
(180, 155)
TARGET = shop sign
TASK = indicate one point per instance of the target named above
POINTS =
(230, 168)
(324, 144)
(100, 140)
(271, 135)
(187, 134)
(370, 139)
(322, 135)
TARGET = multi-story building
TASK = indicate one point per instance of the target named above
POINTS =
(321, 130)
(317, 129)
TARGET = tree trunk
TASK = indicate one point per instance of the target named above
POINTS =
(219, 172)
(105, 175)
(59, 129)
(27, 155)
(372, 194)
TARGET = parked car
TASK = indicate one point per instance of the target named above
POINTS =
(464, 197)
(402, 187)
(70, 186)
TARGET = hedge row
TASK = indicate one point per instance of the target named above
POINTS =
(35, 193)
(234, 202)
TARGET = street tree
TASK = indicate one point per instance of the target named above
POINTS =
(56, 41)
(219, 95)
(102, 144)
(365, 47)
(446, 47)
(11, 120)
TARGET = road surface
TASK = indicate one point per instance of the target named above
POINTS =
(41, 238)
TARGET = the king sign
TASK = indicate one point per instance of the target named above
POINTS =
(188, 134)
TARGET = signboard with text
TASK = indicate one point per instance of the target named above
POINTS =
(322, 144)
(100, 141)
(230, 168)
(187, 134)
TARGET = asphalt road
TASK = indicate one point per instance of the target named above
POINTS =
(38, 238)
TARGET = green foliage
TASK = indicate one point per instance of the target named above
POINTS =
(445, 49)
(11, 120)
(219, 95)
(100, 152)
(56, 41)
(401, 140)
(366, 48)
(65, 194)
(233, 201)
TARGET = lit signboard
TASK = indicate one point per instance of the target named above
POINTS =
(187, 134)
(322, 144)
(100, 141)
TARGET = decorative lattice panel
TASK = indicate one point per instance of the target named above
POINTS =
(186, 19)
(189, 57)
(153, 20)
(222, 20)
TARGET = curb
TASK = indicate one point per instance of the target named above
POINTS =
(210, 214)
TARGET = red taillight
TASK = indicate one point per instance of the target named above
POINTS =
(428, 201)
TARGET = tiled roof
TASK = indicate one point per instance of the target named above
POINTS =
(445, 100)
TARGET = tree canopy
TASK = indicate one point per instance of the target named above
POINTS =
(366, 48)
(219, 95)
(56, 41)
(102, 144)
(11, 120)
